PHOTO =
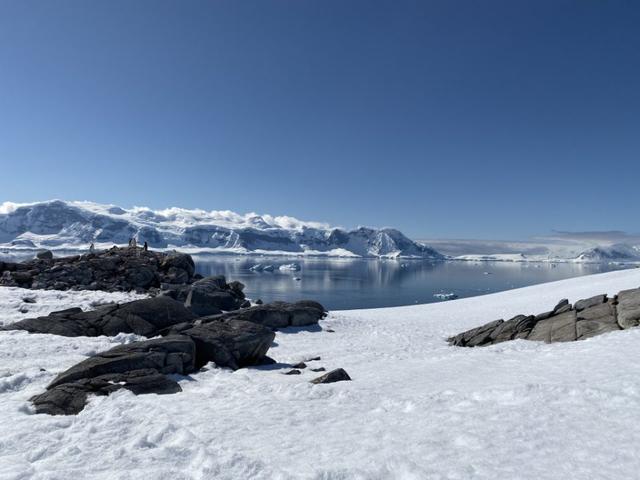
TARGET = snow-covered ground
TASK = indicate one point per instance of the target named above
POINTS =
(18, 303)
(416, 408)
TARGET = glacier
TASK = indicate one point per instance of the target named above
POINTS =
(58, 224)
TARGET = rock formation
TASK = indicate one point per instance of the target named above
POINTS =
(565, 323)
(116, 269)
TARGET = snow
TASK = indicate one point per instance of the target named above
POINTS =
(13, 306)
(64, 225)
(585, 247)
(416, 408)
(290, 267)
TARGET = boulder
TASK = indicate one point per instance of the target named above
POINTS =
(45, 255)
(276, 314)
(208, 296)
(338, 375)
(210, 303)
(628, 308)
(179, 262)
(232, 344)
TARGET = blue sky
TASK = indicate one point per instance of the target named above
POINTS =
(493, 119)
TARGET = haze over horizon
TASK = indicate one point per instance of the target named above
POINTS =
(444, 120)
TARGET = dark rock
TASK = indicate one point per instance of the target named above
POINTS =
(29, 300)
(275, 315)
(563, 309)
(210, 303)
(236, 286)
(559, 328)
(293, 372)
(628, 308)
(300, 365)
(70, 398)
(208, 296)
(179, 262)
(596, 320)
(591, 316)
(116, 269)
(543, 316)
(232, 344)
(45, 255)
(319, 369)
(148, 317)
(338, 375)
(476, 336)
(267, 360)
(259, 301)
(589, 302)
(517, 327)
(561, 304)
(171, 354)
(314, 359)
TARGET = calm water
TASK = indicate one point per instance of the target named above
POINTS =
(342, 284)
(348, 283)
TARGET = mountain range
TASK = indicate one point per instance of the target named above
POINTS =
(63, 224)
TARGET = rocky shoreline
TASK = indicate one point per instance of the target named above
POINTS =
(114, 270)
(199, 320)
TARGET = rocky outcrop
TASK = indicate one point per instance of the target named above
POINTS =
(71, 398)
(234, 344)
(116, 269)
(276, 314)
(147, 317)
(565, 323)
(141, 367)
(209, 295)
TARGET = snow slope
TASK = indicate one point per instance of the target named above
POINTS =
(416, 408)
(58, 224)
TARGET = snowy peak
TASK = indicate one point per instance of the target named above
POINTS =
(616, 252)
(62, 224)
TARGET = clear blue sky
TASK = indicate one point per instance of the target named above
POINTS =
(485, 119)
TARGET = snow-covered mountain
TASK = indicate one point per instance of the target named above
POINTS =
(60, 224)
(616, 252)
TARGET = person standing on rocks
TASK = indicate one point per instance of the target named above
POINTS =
(146, 247)
(92, 248)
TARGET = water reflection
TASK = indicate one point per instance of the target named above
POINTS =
(367, 283)
(345, 283)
